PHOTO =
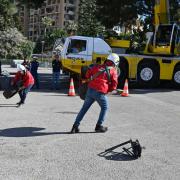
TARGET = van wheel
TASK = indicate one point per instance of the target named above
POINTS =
(176, 76)
(148, 75)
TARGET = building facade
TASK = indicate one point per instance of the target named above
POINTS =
(61, 12)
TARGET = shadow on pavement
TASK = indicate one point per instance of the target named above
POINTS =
(26, 132)
(67, 112)
(116, 156)
(32, 131)
(8, 105)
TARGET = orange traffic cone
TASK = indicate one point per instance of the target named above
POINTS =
(125, 92)
(71, 88)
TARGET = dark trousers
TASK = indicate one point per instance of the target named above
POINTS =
(36, 80)
(23, 93)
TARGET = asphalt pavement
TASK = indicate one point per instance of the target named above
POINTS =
(35, 143)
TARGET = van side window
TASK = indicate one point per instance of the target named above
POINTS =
(78, 46)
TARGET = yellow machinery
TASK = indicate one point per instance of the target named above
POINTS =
(165, 37)
(161, 59)
(118, 45)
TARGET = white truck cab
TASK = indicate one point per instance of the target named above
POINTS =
(81, 51)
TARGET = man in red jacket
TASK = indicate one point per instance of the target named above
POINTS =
(97, 89)
(27, 80)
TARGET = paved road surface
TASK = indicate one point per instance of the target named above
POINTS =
(35, 143)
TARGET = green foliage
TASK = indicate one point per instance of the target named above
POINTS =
(49, 40)
(125, 12)
(52, 36)
(38, 46)
(11, 43)
(47, 21)
(7, 15)
(27, 49)
(88, 24)
(175, 10)
(116, 12)
(71, 28)
(137, 41)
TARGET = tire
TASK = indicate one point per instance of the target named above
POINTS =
(176, 76)
(83, 71)
(148, 75)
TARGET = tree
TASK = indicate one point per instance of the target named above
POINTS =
(52, 36)
(117, 12)
(87, 23)
(175, 11)
(125, 12)
(27, 48)
(71, 28)
(7, 15)
(47, 22)
(11, 43)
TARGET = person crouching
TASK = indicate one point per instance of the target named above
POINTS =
(27, 80)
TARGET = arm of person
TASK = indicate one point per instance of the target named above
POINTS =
(15, 79)
(114, 80)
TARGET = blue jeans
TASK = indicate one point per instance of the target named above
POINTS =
(23, 93)
(92, 96)
(55, 80)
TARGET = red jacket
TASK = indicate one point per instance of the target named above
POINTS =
(101, 82)
(27, 78)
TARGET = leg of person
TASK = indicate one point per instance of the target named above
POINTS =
(37, 81)
(21, 96)
(103, 103)
(53, 81)
(57, 80)
(87, 104)
(24, 93)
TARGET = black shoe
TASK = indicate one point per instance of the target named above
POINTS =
(19, 103)
(100, 128)
(74, 129)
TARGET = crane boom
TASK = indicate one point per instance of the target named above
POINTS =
(161, 11)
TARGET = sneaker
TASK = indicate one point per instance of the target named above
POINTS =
(100, 128)
(74, 129)
(19, 103)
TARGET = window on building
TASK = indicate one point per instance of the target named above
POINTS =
(49, 9)
(57, 8)
(30, 33)
(71, 2)
(42, 11)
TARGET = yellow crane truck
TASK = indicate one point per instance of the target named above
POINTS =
(159, 61)
(161, 57)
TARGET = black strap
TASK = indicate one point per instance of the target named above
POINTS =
(107, 68)
(108, 73)
(97, 74)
